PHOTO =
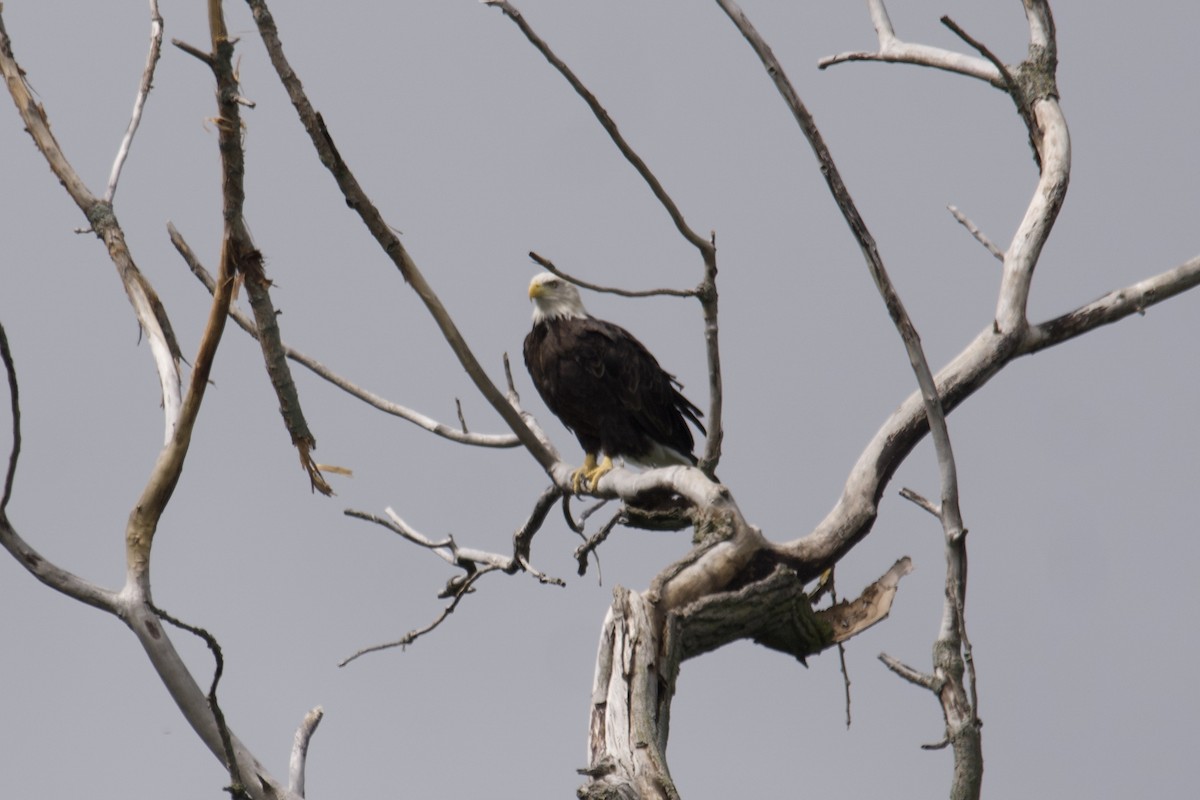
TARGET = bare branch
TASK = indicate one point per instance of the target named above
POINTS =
(1011, 86)
(231, 762)
(596, 539)
(548, 265)
(300, 742)
(979, 235)
(250, 266)
(195, 52)
(461, 589)
(607, 123)
(399, 526)
(911, 675)
(922, 501)
(139, 103)
(462, 420)
(1114, 306)
(523, 536)
(892, 49)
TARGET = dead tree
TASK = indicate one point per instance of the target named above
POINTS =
(737, 581)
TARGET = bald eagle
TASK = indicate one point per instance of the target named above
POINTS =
(605, 386)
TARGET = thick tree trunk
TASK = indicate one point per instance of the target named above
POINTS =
(642, 646)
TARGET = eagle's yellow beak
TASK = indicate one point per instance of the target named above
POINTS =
(535, 290)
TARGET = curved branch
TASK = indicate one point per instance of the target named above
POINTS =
(300, 742)
(45, 571)
(1026, 247)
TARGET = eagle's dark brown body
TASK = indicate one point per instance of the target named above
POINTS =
(610, 391)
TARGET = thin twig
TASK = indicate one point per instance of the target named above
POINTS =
(922, 501)
(14, 400)
(462, 420)
(979, 235)
(194, 52)
(139, 102)
(1014, 90)
(606, 122)
(462, 590)
(398, 526)
(841, 648)
(523, 536)
(596, 539)
(911, 675)
(548, 265)
(231, 762)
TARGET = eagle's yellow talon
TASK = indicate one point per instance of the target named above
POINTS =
(579, 477)
(597, 472)
(588, 476)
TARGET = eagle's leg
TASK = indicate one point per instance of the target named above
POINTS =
(580, 476)
(599, 471)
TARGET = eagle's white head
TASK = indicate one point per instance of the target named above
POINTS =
(554, 298)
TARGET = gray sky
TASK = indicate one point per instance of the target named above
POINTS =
(1078, 465)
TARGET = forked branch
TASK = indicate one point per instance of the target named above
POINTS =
(151, 314)
(895, 50)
